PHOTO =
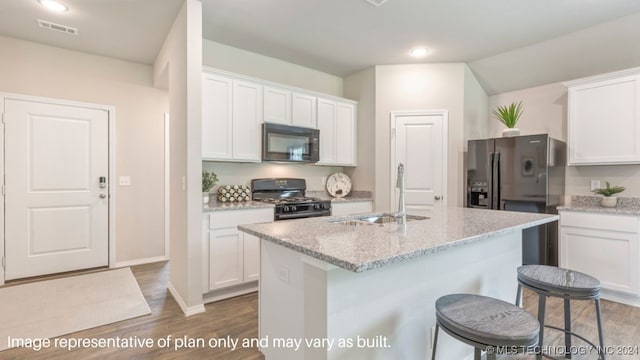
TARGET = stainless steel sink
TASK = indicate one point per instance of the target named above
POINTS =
(376, 219)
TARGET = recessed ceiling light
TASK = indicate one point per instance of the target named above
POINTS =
(419, 52)
(54, 5)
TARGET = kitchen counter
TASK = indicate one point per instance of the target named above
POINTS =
(218, 206)
(626, 205)
(377, 284)
(352, 197)
(362, 248)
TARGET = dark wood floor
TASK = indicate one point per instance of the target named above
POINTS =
(238, 318)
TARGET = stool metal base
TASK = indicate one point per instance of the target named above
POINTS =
(542, 298)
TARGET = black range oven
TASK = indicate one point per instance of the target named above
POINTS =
(288, 197)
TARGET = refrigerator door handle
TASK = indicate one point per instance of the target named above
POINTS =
(490, 187)
(496, 182)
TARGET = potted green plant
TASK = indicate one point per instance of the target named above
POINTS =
(509, 116)
(209, 179)
(608, 200)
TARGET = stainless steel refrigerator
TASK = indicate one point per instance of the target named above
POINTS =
(520, 173)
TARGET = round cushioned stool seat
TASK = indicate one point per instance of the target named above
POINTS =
(559, 281)
(486, 321)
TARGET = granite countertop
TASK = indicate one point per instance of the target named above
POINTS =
(353, 196)
(366, 247)
(214, 205)
(626, 205)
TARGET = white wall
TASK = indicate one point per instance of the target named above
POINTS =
(180, 61)
(245, 62)
(360, 86)
(419, 87)
(545, 111)
(41, 70)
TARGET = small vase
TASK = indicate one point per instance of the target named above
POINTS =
(609, 201)
(205, 197)
(510, 132)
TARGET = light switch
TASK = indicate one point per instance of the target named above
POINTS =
(124, 180)
(595, 184)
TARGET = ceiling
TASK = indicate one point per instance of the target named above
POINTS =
(344, 36)
(132, 30)
(508, 46)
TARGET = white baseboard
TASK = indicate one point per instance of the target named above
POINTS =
(188, 311)
(626, 299)
(140, 261)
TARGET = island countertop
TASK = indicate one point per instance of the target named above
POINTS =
(366, 247)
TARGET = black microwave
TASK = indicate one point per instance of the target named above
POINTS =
(290, 143)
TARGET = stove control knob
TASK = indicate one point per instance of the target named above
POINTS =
(293, 208)
(326, 206)
(316, 206)
(286, 209)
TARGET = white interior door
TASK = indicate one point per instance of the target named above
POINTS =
(420, 144)
(56, 210)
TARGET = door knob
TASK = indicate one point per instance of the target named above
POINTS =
(102, 196)
(437, 197)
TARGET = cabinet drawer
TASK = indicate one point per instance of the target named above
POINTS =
(233, 218)
(610, 222)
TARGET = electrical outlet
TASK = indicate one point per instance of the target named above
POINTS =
(324, 180)
(283, 274)
(595, 184)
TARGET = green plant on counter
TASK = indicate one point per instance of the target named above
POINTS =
(209, 179)
(609, 190)
(509, 115)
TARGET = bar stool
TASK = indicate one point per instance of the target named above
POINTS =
(567, 284)
(485, 323)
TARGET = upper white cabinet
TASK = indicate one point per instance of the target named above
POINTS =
(234, 107)
(231, 119)
(277, 105)
(303, 110)
(337, 125)
(282, 106)
(604, 119)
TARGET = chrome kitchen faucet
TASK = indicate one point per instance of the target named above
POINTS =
(402, 206)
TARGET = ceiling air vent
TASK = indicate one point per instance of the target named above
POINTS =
(376, 3)
(57, 27)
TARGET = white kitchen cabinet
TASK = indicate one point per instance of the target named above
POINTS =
(343, 208)
(231, 259)
(231, 119)
(604, 119)
(282, 106)
(277, 105)
(604, 246)
(217, 121)
(337, 125)
(303, 110)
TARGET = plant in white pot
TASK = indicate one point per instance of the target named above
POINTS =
(209, 179)
(608, 200)
(509, 116)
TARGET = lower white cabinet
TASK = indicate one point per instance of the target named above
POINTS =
(604, 246)
(351, 207)
(232, 266)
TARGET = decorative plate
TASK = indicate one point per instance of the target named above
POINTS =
(338, 185)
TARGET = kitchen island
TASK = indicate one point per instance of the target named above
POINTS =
(331, 288)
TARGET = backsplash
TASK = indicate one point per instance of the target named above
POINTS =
(242, 173)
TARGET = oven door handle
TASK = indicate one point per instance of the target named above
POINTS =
(303, 214)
